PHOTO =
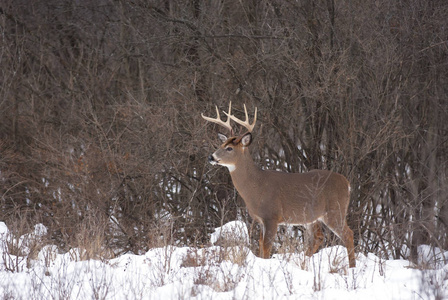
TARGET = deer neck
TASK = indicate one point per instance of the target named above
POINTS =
(245, 172)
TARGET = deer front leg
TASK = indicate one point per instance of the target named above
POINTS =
(267, 236)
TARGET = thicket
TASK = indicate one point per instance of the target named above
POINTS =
(102, 141)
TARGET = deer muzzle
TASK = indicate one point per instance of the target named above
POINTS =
(211, 159)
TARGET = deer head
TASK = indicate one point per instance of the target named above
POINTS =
(234, 147)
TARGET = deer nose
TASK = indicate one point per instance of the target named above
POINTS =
(210, 158)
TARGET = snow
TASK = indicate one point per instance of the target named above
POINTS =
(217, 273)
(236, 231)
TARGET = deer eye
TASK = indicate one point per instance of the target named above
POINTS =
(229, 149)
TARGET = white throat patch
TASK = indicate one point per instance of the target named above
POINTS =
(229, 166)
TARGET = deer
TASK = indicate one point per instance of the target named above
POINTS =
(275, 198)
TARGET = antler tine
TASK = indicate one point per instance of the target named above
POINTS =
(245, 123)
(218, 120)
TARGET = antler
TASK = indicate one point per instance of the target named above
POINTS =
(245, 123)
(218, 120)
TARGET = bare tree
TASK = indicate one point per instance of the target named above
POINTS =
(99, 105)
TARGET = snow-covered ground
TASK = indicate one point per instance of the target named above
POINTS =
(216, 273)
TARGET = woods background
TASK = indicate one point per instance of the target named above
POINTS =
(101, 137)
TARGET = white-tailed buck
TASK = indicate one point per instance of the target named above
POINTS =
(274, 197)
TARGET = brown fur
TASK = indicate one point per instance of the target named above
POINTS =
(274, 198)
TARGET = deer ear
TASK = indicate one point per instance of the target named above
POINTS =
(246, 139)
(222, 137)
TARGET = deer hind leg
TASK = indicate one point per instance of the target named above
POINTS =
(349, 243)
(315, 237)
(341, 229)
(267, 236)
